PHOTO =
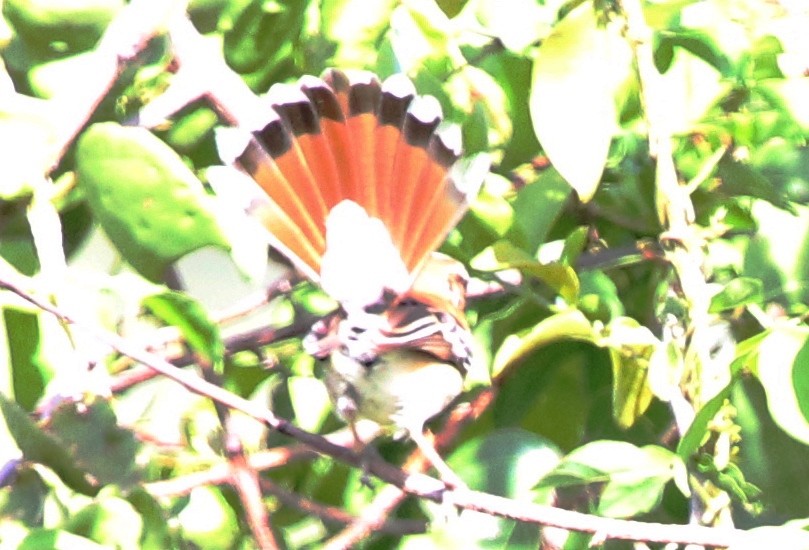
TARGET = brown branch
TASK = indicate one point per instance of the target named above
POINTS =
(125, 37)
(374, 516)
(334, 514)
(245, 479)
(414, 483)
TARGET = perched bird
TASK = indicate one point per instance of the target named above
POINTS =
(359, 182)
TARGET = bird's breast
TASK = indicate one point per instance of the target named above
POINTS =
(402, 389)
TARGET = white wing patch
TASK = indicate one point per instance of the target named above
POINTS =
(361, 260)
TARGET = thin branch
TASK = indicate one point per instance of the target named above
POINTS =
(125, 37)
(374, 516)
(220, 473)
(245, 479)
(334, 514)
(704, 375)
(416, 484)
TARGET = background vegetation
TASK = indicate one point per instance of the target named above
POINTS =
(650, 361)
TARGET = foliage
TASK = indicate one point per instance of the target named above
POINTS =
(650, 360)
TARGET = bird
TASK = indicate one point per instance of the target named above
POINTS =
(358, 181)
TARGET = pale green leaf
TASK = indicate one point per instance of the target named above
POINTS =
(150, 205)
(783, 369)
(633, 477)
(207, 519)
(577, 72)
(566, 325)
(631, 346)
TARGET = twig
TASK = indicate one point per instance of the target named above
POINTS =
(684, 252)
(373, 518)
(335, 514)
(220, 473)
(245, 479)
(125, 38)
(415, 484)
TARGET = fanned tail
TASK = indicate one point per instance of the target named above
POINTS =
(346, 136)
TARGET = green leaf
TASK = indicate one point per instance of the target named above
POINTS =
(96, 443)
(539, 205)
(112, 522)
(180, 310)
(778, 253)
(310, 401)
(504, 255)
(738, 292)
(155, 528)
(520, 26)
(422, 36)
(24, 498)
(599, 297)
(471, 89)
(701, 45)
(566, 325)
(786, 167)
(746, 352)
(28, 375)
(631, 346)
(494, 211)
(148, 202)
(58, 27)
(38, 446)
(633, 477)
(57, 539)
(207, 520)
(577, 72)
(260, 39)
(783, 369)
(743, 179)
(507, 463)
(48, 79)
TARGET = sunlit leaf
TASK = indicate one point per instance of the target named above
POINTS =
(111, 521)
(54, 26)
(566, 325)
(630, 346)
(310, 401)
(57, 539)
(738, 292)
(783, 369)
(27, 161)
(633, 477)
(38, 446)
(149, 203)
(355, 27)
(48, 78)
(539, 205)
(576, 72)
(181, 311)
(504, 255)
(508, 463)
(207, 519)
(777, 253)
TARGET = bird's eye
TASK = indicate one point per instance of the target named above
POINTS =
(369, 362)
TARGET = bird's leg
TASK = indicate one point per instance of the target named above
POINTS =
(366, 452)
(446, 474)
